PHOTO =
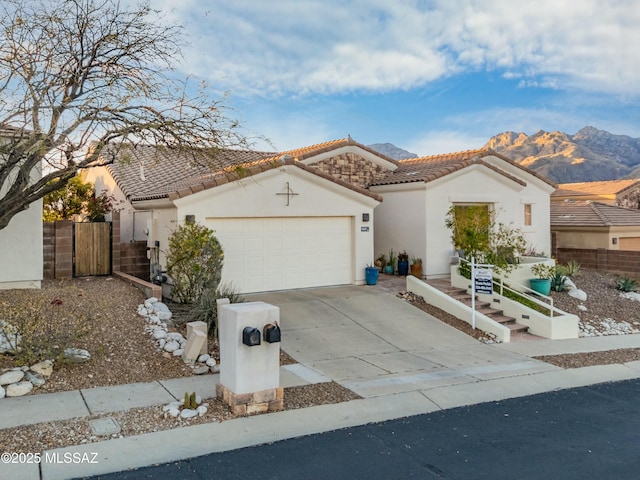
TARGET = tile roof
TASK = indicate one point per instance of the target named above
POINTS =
(313, 150)
(147, 172)
(426, 169)
(573, 213)
(610, 187)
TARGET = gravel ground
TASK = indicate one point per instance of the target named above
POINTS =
(122, 353)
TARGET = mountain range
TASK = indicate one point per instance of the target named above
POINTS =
(588, 155)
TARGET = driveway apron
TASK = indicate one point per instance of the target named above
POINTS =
(375, 343)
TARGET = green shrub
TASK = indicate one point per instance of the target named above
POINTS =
(206, 308)
(194, 262)
(625, 284)
(543, 271)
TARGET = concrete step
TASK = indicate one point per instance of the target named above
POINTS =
(461, 295)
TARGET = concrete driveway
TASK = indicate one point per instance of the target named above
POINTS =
(375, 343)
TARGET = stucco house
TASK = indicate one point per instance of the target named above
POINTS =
(21, 240)
(420, 192)
(622, 193)
(317, 215)
(294, 219)
(594, 225)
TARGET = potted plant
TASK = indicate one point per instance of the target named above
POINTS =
(391, 262)
(403, 263)
(381, 262)
(416, 267)
(543, 274)
(371, 274)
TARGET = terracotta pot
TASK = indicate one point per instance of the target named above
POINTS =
(416, 270)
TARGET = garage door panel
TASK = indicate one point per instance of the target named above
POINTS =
(263, 254)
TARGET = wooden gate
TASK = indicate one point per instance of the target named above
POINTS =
(92, 248)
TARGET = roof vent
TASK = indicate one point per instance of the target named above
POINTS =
(411, 173)
(142, 177)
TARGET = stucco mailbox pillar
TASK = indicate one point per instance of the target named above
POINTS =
(249, 371)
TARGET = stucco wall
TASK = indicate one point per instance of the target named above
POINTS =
(21, 250)
(260, 196)
(400, 221)
(582, 238)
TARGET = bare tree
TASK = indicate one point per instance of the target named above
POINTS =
(78, 75)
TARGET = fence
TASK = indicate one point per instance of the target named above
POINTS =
(58, 252)
(623, 262)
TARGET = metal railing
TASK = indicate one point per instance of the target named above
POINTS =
(523, 292)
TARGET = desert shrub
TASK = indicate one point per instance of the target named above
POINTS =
(41, 331)
(625, 284)
(572, 269)
(194, 262)
(206, 308)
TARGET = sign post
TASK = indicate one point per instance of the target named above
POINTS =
(481, 282)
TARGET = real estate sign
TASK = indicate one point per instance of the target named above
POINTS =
(483, 281)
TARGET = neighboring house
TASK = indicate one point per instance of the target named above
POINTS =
(594, 225)
(306, 217)
(420, 192)
(21, 240)
(288, 220)
(622, 193)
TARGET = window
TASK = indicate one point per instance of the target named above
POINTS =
(527, 215)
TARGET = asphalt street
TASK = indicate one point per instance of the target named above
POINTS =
(581, 433)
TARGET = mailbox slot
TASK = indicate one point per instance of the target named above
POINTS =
(251, 336)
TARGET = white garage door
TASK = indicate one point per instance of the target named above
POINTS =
(263, 254)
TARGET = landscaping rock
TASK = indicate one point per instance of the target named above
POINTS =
(174, 412)
(12, 376)
(35, 379)
(635, 296)
(178, 352)
(577, 293)
(188, 413)
(171, 346)
(204, 357)
(148, 303)
(77, 355)
(175, 336)
(211, 362)
(19, 389)
(201, 410)
(200, 370)
(159, 333)
(43, 368)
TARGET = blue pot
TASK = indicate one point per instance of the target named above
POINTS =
(403, 268)
(540, 285)
(371, 275)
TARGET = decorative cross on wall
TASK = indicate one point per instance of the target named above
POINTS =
(289, 193)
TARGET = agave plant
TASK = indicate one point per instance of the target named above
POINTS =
(626, 284)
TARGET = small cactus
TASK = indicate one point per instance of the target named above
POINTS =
(190, 401)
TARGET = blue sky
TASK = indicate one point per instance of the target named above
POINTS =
(430, 76)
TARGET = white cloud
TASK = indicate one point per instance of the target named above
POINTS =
(435, 142)
(252, 47)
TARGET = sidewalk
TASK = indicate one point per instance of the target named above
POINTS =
(448, 370)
